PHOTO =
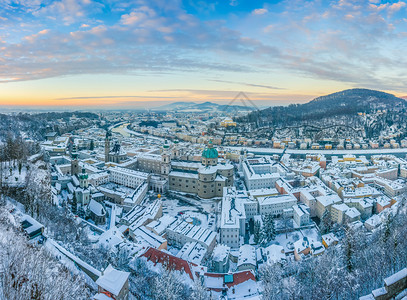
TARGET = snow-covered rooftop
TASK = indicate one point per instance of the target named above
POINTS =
(112, 280)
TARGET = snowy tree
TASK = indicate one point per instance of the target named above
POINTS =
(32, 273)
(257, 231)
(74, 204)
(268, 231)
(169, 286)
(387, 229)
(271, 276)
(38, 187)
(199, 291)
(349, 249)
(326, 222)
(141, 279)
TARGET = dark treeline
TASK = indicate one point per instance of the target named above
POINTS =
(36, 126)
(349, 103)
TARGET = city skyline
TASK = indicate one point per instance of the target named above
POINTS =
(148, 53)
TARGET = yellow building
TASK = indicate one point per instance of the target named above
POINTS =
(227, 122)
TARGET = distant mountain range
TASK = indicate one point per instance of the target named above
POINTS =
(202, 107)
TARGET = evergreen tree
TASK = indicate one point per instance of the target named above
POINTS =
(257, 231)
(349, 249)
(387, 229)
(74, 204)
(92, 145)
(272, 232)
(268, 231)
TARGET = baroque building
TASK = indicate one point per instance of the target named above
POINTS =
(206, 179)
(116, 154)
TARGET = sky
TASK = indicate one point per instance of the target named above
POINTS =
(146, 53)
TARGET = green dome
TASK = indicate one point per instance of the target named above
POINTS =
(210, 152)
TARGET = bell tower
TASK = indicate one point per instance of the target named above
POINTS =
(107, 146)
(83, 179)
(165, 160)
(74, 162)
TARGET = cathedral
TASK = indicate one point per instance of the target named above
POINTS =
(206, 179)
(116, 154)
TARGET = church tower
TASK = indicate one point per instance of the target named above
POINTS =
(242, 157)
(83, 179)
(74, 162)
(107, 146)
(84, 192)
(165, 160)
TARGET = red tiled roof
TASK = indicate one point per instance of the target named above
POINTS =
(238, 277)
(169, 261)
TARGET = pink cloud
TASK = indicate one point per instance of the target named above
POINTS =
(33, 37)
(136, 16)
(396, 6)
(260, 11)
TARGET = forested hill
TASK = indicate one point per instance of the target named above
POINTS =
(347, 102)
(37, 125)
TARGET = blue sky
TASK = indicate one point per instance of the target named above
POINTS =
(153, 51)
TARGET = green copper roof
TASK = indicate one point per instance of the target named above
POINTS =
(228, 278)
(83, 175)
(210, 152)
(166, 146)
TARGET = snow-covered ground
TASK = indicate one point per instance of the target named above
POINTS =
(201, 215)
(287, 240)
(14, 178)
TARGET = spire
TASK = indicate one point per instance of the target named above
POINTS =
(74, 152)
